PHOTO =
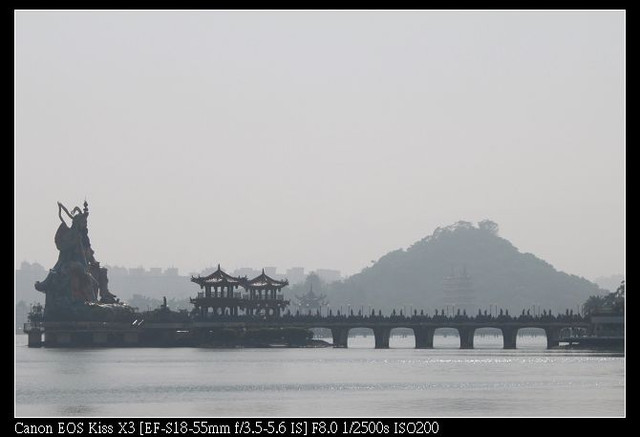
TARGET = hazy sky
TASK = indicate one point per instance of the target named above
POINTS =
(319, 139)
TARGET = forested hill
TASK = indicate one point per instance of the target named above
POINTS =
(499, 274)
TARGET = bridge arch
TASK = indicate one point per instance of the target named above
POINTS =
(446, 337)
(401, 337)
(530, 337)
(488, 338)
(361, 337)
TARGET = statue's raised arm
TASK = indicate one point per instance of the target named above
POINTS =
(73, 212)
(61, 208)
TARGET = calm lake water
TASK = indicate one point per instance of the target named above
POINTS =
(359, 381)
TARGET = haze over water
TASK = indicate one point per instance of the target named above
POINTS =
(358, 381)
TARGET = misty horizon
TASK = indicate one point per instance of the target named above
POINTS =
(280, 271)
(320, 139)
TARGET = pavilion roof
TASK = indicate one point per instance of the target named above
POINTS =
(219, 278)
(265, 281)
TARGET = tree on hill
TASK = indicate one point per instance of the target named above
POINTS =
(610, 303)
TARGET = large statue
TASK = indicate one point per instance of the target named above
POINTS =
(77, 287)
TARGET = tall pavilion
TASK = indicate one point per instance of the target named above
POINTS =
(265, 295)
(219, 296)
(262, 295)
(458, 291)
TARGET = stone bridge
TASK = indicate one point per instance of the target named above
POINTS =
(423, 327)
(146, 332)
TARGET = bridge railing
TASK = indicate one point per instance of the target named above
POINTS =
(289, 317)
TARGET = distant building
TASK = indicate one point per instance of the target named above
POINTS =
(25, 277)
(272, 271)
(328, 275)
(137, 271)
(155, 271)
(117, 271)
(246, 271)
(295, 275)
(34, 268)
(171, 271)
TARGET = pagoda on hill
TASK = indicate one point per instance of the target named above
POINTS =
(262, 295)
(458, 292)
